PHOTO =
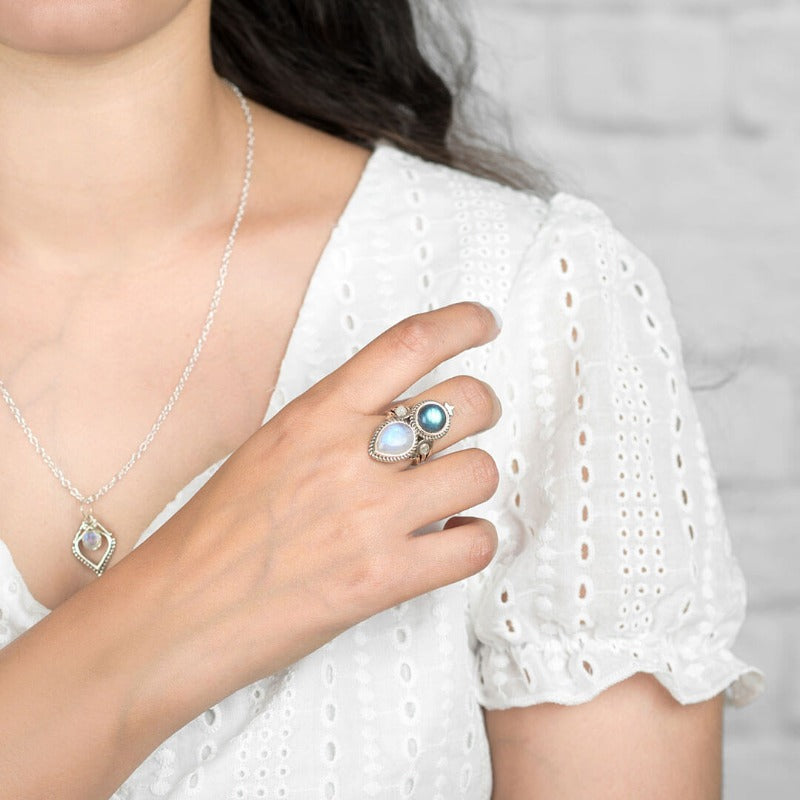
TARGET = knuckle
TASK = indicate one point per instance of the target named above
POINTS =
(478, 397)
(484, 471)
(414, 335)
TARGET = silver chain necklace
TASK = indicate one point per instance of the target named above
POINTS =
(92, 538)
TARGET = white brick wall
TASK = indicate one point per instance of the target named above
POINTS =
(666, 74)
(765, 64)
(681, 118)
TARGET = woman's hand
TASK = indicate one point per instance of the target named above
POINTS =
(301, 534)
(298, 536)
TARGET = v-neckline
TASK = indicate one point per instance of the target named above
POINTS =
(315, 279)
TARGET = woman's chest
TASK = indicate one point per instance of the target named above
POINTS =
(131, 415)
(385, 710)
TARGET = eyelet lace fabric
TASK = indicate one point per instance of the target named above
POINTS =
(616, 556)
(614, 553)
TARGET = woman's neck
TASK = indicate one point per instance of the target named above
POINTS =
(110, 153)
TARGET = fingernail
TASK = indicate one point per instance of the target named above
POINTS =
(497, 318)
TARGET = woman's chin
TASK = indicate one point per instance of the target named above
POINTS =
(83, 27)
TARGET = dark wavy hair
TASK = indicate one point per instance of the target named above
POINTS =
(364, 70)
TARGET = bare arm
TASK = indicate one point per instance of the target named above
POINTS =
(632, 741)
(99, 676)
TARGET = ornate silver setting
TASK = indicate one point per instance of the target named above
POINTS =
(418, 437)
(91, 537)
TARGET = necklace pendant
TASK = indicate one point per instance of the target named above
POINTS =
(91, 538)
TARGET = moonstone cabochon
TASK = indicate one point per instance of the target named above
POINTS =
(91, 539)
(394, 439)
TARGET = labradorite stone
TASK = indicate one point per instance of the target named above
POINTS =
(431, 418)
(395, 439)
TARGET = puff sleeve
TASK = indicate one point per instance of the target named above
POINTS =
(614, 554)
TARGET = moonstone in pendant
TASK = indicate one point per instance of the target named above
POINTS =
(91, 540)
(396, 439)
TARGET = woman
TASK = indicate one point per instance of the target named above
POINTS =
(291, 623)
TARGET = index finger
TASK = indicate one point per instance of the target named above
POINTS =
(401, 355)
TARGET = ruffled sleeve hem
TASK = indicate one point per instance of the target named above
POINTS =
(569, 673)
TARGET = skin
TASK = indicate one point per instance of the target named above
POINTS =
(108, 211)
(634, 740)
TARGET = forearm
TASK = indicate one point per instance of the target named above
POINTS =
(91, 690)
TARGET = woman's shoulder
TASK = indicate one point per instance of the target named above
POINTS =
(474, 221)
(606, 496)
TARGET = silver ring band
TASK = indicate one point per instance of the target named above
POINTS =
(408, 433)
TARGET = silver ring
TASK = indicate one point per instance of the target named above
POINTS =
(408, 432)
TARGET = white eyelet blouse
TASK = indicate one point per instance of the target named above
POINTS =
(614, 556)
